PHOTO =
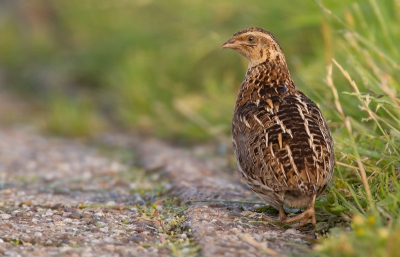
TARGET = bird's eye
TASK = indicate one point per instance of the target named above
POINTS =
(250, 39)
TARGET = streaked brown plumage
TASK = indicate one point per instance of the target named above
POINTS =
(283, 146)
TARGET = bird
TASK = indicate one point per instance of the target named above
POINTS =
(282, 143)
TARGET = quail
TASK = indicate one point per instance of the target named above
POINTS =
(282, 143)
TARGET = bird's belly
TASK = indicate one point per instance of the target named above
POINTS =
(295, 198)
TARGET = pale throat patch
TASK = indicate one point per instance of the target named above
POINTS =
(272, 56)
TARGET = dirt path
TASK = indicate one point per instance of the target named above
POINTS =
(61, 197)
(222, 228)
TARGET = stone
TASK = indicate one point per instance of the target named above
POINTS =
(75, 215)
(38, 234)
(5, 216)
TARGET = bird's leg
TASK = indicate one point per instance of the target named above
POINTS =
(282, 214)
(305, 216)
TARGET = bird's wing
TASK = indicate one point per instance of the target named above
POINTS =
(284, 143)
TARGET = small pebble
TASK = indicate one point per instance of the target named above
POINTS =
(113, 195)
(57, 218)
(111, 203)
(75, 215)
(9, 225)
(38, 234)
(291, 231)
(5, 216)
(25, 238)
(134, 209)
(100, 224)
(119, 207)
(92, 221)
(27, 203)
(110, 248)
(70, 209)
(80, 205)
(86, 215)
(104, 230)
(57, 206)
(6, 191)
(98, 215)
(27, 214)
(48, 213)
(95, 230)
(39, 209)
(68, 220)
(87, 254)
(119, 231)
(136, 239)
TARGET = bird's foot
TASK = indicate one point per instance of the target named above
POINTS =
(305, 217)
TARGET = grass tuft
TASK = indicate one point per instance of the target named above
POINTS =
(367, 138)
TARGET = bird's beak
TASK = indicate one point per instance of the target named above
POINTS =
(229, 44)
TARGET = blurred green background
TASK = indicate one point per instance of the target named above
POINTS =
(152, 66)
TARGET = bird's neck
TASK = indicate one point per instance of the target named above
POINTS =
(269, 74)
(266, 80)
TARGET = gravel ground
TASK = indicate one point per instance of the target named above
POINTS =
(61, 197)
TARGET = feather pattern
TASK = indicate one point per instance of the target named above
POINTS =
(282, 143)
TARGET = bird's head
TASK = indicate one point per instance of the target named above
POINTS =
(257, 45)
